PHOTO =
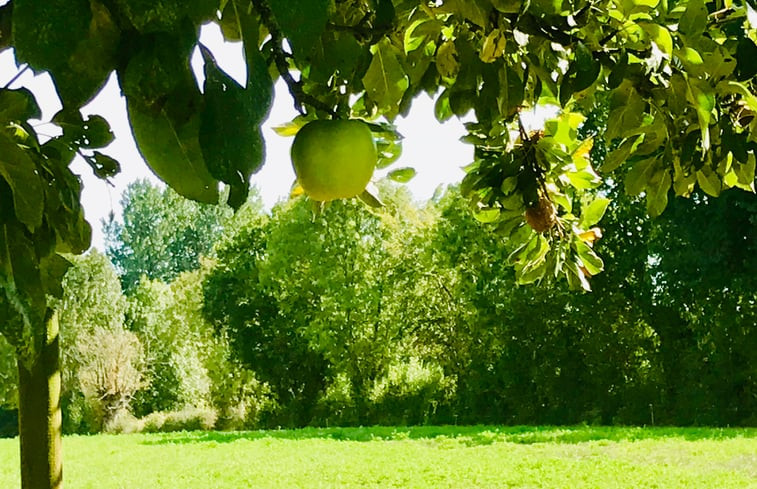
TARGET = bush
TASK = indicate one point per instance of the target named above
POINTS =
(187, 419)
(409, 393)
(111, 371)
(123, 422)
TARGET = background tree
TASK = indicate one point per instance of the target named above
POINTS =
(92, 300)
(111, 371)
(162, 234)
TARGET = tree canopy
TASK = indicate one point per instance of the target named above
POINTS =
(676, 78)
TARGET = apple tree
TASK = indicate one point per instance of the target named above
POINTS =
(678, 77)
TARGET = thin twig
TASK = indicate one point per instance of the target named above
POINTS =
(522, 129)
(18, 75)
(282, 65)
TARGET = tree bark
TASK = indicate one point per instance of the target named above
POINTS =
(39, 414)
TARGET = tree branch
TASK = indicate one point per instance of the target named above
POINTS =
(301, 98)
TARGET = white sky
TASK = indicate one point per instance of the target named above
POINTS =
(433, 149)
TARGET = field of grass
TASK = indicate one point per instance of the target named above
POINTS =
(423, 457)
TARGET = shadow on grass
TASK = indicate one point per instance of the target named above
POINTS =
(467, 435)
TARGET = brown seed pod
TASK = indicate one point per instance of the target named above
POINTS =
(543, 216)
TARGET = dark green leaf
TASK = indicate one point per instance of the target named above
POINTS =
(230, 138)
(627, 112)
(46, 33)
(694, 19)
(581, 74)
(20, 173)
(640, 175)
(746, 59)
(18, 105)
(618, 156)
(97, 132)
(476, 11)
(52, 269)
(301, 21)
(166, 15)
(511, 91)
(104, 166)
(657, 192)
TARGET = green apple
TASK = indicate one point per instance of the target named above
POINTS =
(334, 159)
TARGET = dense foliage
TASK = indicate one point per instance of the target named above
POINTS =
(407, 315)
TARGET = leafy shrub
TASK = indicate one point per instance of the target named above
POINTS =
(187, 419)
(409, 392)
(123, 422)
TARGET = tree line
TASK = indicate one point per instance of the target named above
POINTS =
(199, 318)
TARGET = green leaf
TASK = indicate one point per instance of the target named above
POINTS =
(52, 269)
(230, 137)
(576, 278)
(420, 32)
(660, 35)
(385, 81)
(589, 258)
(442, 109)
(172, 150)
(593, 213)
(301, 21)
(18, 105)
(584, 179)
(487, 216)
(683, 181)
(96, 132)
(20, 173)
(627, 112)
(45, 34)
(88, 67)
(618, 156)
(702, 96)
(402, 175)
(709, 181)
(694, 19)
(657, 192)
(166, 15)
(745, 173)
(640, 175)
(370, 197)
(476, 11)
(582, 73)
(511, 91)
(104, 166)
(746, 54)
(509, 185)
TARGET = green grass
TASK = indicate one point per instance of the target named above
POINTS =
(423, 457)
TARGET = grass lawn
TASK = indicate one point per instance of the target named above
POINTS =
(423, 457)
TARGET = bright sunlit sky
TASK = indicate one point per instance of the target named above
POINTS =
(433, 149)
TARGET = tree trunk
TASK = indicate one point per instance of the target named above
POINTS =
(39, 414)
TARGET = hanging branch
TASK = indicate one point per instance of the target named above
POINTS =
(301, 98)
